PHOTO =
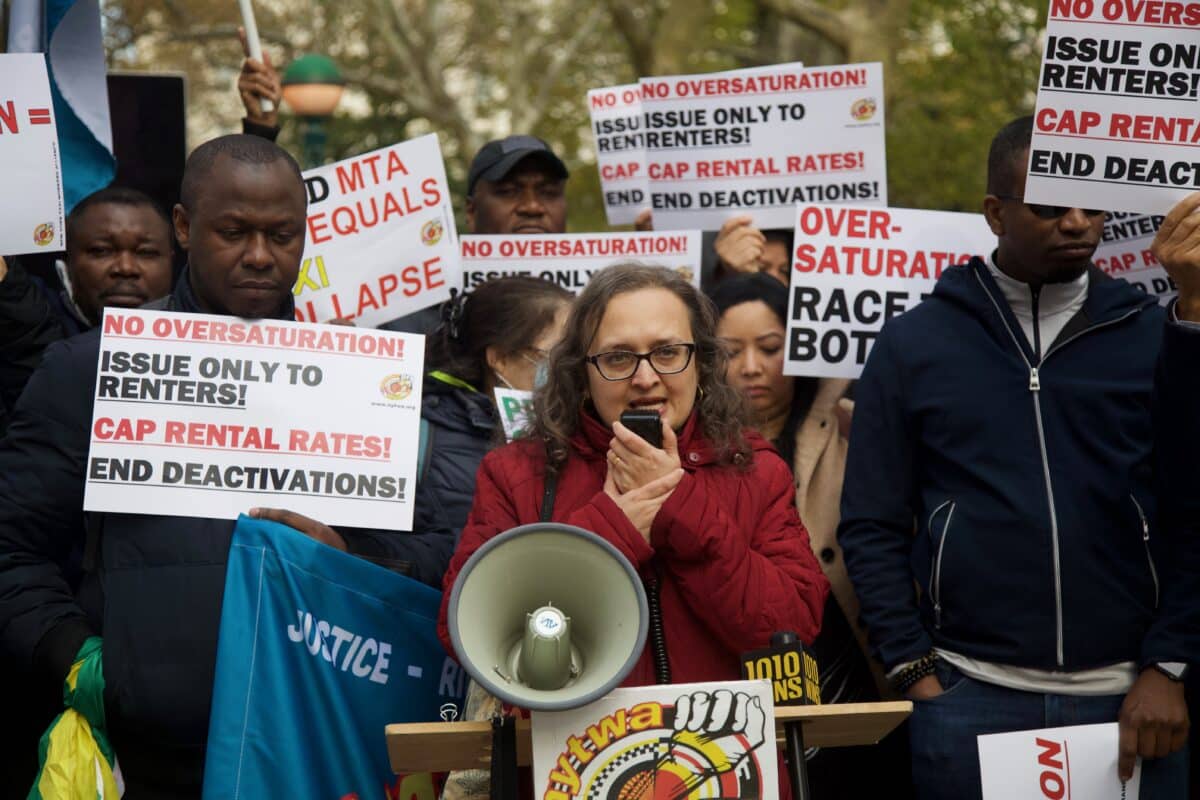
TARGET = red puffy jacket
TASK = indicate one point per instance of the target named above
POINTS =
(733, 558)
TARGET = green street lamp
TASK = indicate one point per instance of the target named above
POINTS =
(312, 87)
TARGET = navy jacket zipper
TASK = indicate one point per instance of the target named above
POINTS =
(1035, 387)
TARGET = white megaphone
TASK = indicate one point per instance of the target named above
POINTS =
(548, 616)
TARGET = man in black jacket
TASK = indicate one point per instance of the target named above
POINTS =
(1177, 425)
(153, 585)
(118, 254)
(1008, 417)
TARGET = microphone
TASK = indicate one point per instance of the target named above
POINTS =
(789, 667)
(792, 671)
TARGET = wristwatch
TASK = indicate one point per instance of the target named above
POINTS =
(1175, 670)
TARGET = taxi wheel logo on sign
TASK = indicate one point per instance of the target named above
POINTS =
(396, 387)
(652, 751)
(863, 109)
(43, 234)
(431, 232)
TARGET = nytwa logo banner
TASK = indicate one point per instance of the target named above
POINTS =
(693, 741)
(1055, 764)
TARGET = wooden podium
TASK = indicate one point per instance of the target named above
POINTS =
(444, 746)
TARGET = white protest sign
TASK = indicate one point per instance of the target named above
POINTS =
(620, 153)
(515, 407)
(1078, 761)
(1117, 125)
(660, 741)
(381, 240)
(570, 259)
(617, 125)
(854, 268)
(760, 141)
(1124, 252)
(31, 209)
(208, 416)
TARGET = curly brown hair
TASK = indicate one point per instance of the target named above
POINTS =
(557, 405)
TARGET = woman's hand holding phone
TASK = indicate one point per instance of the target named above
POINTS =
(633, 462)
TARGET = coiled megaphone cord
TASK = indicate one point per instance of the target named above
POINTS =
(658, 637)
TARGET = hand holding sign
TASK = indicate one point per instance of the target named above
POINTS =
(1153, 720)
(739, 244)
(258, 84)
(1177, 248)
(306, 525)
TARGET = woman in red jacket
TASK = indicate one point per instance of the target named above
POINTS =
(708, 520)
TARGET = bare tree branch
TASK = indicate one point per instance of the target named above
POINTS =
(638, 34)
(816, 17)
(227, 33)
(535, 109)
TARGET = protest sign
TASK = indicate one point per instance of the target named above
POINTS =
(1124, 252)
(318, 651)
(854, 268)
(32, 220)
(660, 741)
(206, 416)
(1077, 761)
(620, 154)
(570, 259)
(760, 141)
(1117, 125)
(515, 407)
(617, 125)
(381, 241)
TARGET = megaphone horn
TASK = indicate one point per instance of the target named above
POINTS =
(548, 617)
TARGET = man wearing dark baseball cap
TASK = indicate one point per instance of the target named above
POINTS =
(516, 185)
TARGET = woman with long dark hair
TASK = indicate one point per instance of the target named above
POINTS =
(496, 335)
(707, 520)
(807, 420)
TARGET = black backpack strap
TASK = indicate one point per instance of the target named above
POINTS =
(548, 496)
(91, 543)
(424, 449)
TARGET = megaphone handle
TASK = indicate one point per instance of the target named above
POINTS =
(504, 758)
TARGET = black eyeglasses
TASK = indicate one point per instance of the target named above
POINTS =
(618, 365)
(1050, 212)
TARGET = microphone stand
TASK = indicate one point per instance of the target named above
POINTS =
(504, 758)
(793, 749)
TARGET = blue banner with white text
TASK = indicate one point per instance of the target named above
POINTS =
(318, 651)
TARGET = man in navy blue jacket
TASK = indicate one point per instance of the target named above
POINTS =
(1177, 385)
(153, 585)
(998, 513)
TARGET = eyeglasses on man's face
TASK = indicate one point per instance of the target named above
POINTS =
(618, 365)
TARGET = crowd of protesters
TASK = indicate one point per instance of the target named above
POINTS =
(995, 522)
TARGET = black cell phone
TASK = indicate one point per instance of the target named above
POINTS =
(646, 424)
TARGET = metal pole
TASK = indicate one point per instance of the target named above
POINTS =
(314, 142)
(793, 732)
(797, 765)
(504, 758)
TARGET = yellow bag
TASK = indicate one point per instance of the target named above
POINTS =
(76, 760)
